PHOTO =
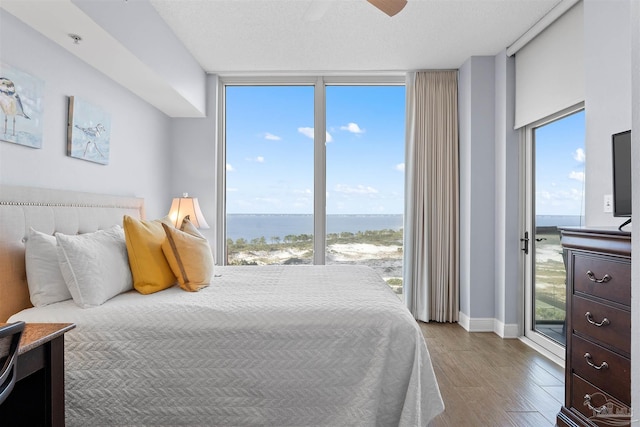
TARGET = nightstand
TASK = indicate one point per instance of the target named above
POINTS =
(38, 396)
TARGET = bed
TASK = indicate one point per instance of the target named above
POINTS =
(269, 345)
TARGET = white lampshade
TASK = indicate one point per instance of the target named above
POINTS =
(183, 206)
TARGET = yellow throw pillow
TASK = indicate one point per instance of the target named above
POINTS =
(150, 270)
(189, 256)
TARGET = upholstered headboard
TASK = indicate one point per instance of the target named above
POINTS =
(48, 211)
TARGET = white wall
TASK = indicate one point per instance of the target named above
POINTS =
(193, 154)
(464, 134)
(153, 43)
(140, 134)
(607, 61)
(477, 191)
(508, 256)
(490, 256)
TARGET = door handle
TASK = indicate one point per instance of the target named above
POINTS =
(525, 239)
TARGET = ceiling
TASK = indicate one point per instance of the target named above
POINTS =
(158, 49)
(235, 36)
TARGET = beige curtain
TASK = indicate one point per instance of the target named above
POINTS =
(432, 197)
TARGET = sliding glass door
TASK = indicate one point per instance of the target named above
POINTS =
(555, 198)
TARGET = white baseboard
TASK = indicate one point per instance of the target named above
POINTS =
(489, 324)
(475, 324)
(508, 330)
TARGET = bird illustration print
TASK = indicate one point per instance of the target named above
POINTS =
(10, 103)
(92, 133)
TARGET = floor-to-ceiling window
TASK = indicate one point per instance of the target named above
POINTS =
(555, 198)
(269, 174)
(315, 167)
(365, 178)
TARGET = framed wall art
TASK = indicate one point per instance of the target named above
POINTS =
(21, 107)
(88, 131)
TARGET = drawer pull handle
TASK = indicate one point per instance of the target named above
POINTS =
(603, 365)
(599, 410)
(592, 277)
(604, 322)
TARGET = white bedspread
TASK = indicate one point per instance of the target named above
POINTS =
(273, 345)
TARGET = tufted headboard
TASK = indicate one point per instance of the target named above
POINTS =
(48, 211)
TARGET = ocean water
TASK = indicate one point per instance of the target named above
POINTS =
(248, 226)
(559, 220)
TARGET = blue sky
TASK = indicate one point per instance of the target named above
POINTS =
(560, 158)
(270, 149)
(270, 152)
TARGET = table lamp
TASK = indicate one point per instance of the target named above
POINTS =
(187, 206)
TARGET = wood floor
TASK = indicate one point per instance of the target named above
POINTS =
(488, 381)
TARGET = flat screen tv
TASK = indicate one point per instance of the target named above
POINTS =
(621, 143)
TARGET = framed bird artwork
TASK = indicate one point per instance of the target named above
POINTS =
(21, 107)
(88, 131)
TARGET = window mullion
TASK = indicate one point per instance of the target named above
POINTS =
(220, 142)
(320, 173)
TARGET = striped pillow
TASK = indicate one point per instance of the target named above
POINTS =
(189, 256)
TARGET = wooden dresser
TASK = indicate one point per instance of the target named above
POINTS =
(598, 365)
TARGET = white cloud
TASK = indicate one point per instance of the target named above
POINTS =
(329, 137)
(230, 168)
(271, 137)
(578, 176)
(543, 195)
(231, 189)
(308, 132)
(258, 159)
(579, 155)
(305, 191)
(358, 189)
(353, 128)
(563, 197)
(400, 167)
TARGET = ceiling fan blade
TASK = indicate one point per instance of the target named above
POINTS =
(390, 7)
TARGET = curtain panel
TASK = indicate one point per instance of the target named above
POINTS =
(431, 236)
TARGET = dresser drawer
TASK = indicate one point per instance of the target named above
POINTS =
(615, 331)
(598, 406)
(605, 277)
(615, 378)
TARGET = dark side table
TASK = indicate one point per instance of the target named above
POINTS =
(38, 396)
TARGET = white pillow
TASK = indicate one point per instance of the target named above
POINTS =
(94, 265)
(46, 284)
